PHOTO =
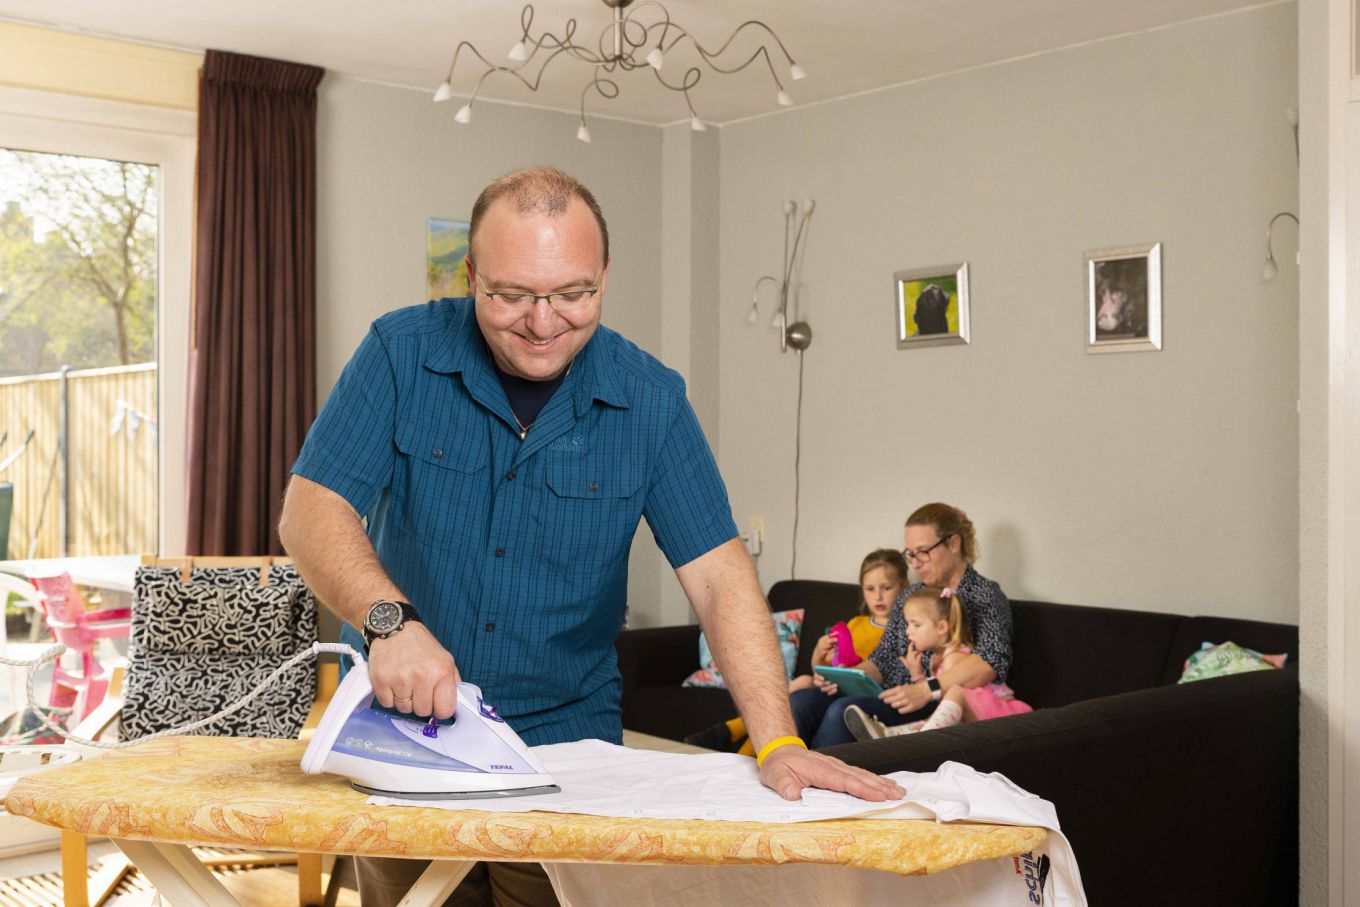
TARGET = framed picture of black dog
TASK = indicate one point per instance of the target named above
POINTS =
(932, 306)
(1124, 299)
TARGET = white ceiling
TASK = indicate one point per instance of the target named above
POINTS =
(846, 46)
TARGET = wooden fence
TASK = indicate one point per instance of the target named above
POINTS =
(99, 494)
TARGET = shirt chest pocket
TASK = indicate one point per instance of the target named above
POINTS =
(591, 510)
(440, 481)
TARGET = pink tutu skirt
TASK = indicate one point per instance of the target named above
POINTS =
(993, 701)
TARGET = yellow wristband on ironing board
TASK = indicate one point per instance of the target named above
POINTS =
(775, 744)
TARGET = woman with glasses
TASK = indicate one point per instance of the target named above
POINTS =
(941, 546)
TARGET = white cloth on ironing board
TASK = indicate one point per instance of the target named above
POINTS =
(602, 779)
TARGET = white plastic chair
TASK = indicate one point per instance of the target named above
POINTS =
(30, 598)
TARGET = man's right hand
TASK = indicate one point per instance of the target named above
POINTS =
(413, 673)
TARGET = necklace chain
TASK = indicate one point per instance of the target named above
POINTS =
(524, 429)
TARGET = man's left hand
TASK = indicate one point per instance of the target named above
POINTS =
(789, 769)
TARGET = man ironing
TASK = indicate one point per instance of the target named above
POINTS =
(503, 449)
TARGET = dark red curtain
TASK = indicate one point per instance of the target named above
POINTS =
(252, 362)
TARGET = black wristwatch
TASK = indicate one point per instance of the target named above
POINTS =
(934, 684)
(386, 617)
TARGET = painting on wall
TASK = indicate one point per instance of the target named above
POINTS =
(1124, 299)
(446, 245)
(932, 306)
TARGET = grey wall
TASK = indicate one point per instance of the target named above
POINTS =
(1164, 480)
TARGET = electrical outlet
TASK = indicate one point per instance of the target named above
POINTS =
(755, 536)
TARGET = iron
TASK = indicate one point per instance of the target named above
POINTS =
(475, 757)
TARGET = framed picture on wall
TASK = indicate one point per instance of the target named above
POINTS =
(1124, 299)
(931, 306)
(446, 245)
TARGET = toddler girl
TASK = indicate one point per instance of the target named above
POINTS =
(936, 625)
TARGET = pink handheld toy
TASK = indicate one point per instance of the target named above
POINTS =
(844, 655)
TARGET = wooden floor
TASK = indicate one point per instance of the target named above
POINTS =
(35, 881)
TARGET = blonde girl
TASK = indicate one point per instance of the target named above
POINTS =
(882, 577)
(937, 634)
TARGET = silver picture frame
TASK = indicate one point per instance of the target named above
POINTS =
(1124, 299)
(945, 320)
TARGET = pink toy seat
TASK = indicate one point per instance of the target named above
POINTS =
(844, 655)
(79, 630)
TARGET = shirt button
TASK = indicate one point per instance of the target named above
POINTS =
(500, 552)
(510, 476)
(437, 452)
(592, 487)
(491, 628)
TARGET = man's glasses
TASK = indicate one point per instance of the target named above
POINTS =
(922, 555)
(563, 301)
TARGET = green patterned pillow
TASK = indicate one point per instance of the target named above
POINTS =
(1225, 659)
(787, 627)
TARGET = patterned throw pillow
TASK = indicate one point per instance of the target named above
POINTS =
(788, 626)
(1225, 659)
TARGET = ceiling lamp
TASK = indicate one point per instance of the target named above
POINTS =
(641, 38)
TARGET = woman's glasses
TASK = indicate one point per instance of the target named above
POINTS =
(922, 555)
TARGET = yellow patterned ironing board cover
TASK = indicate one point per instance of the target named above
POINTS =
(249, 792)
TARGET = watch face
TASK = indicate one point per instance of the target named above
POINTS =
(383, 617)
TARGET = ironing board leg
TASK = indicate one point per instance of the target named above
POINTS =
(177, 874)
(436, 883)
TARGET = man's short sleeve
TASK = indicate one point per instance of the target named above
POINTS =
(687, 504)
(349, 448)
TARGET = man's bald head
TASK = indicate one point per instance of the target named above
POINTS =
(536, 190)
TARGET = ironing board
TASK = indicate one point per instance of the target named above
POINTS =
(157, 799)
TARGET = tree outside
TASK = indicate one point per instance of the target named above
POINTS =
(78, 274)
(78, 262)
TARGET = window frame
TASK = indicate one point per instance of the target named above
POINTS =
(65, 124)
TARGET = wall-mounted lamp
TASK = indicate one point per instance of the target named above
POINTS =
(1271, 269)
(799, 334)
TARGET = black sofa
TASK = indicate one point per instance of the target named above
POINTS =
(1169, 793)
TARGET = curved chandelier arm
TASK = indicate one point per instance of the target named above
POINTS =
(711, 55)
(691, 78)
(606, 88)
(564, 44)
(531, 84)
(665, 24)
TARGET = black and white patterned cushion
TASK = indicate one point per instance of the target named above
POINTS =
(200, 646)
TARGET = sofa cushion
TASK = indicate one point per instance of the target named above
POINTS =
(1067, 653)
(1193, 632)
(674, 711)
